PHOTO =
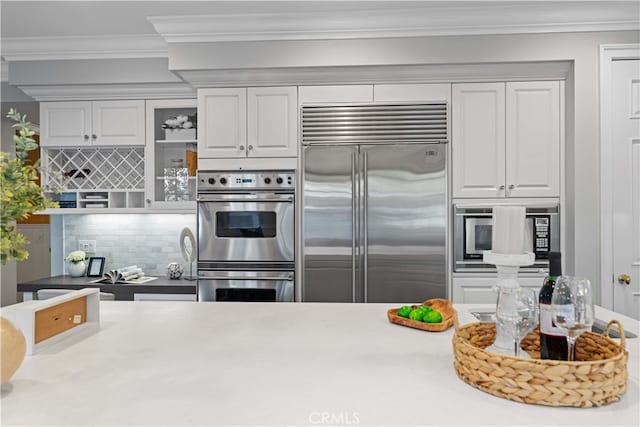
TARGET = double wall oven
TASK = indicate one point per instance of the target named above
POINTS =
(246, 236)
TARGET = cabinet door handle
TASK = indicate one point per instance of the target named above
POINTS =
(511, 187)
(501, 187)
(86, 137)
(251, 147)
(242, 148)
(93, 136)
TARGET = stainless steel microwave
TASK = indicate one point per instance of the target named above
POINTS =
(472, 235)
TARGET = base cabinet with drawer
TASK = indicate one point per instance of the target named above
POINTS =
(479, 290)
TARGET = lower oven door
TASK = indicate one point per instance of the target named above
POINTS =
(246, 286)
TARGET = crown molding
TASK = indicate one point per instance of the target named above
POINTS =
(449, 73)
(111, 91)
(84, 47)
(478, 19)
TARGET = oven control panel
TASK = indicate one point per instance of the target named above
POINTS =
(256, 180)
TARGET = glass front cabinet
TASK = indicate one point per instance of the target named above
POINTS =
(171, 153)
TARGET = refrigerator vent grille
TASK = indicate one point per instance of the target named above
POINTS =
(374, 123)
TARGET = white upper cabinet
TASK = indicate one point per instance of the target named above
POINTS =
(170, 156)
(478, 139)
(533, 139)
(222, 122)
(272, 128)
(92, 123)
(412, 92)
(506, 139)
(335, 94)
(118, 122)
(65, 123)
(253, 122)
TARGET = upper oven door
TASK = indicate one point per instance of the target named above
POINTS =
(246, 228)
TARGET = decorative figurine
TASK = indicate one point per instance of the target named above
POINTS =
(175, 270)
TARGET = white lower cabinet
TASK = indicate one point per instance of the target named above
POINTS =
(164, 297)
(478, 290)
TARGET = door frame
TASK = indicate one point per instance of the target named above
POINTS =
(608, 54)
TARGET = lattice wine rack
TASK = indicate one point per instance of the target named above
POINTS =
(107, 177)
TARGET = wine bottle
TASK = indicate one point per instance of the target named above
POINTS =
(553, 340)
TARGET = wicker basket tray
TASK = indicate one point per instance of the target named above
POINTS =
(597, 377)
(445, 308)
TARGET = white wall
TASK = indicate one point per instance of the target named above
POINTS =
(150, 241)
(582, 123)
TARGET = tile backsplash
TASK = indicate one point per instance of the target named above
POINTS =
(150, 241)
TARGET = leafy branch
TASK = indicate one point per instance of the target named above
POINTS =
(20, 195)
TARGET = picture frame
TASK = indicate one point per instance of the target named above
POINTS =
(96, 266)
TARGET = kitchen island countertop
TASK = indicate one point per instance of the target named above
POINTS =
(182, 363)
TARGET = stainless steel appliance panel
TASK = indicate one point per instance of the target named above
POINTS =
(403, 222)
(329, 214)
(254, 286)
(256, 228)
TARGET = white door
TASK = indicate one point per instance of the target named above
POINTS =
(272, 125)
(118, 123)
(222, 123)
(533, 139)
(65, 124)
(625, 128)
(478, 139)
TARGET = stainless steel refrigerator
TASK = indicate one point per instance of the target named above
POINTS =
(374, 218)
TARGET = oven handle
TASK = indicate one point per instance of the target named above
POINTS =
(213, 276)
(287, 198)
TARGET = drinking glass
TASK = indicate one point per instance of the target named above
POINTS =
(517, 314)
(572, 308)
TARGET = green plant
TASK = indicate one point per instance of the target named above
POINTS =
(76, 257)
(20, 194)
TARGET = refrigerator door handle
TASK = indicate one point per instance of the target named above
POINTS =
(365, 234)
(354, 220)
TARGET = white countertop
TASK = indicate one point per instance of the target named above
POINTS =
(182, 363)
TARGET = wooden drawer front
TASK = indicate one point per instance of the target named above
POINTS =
(57, 319)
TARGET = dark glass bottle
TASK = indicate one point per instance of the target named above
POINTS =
(553, 340)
